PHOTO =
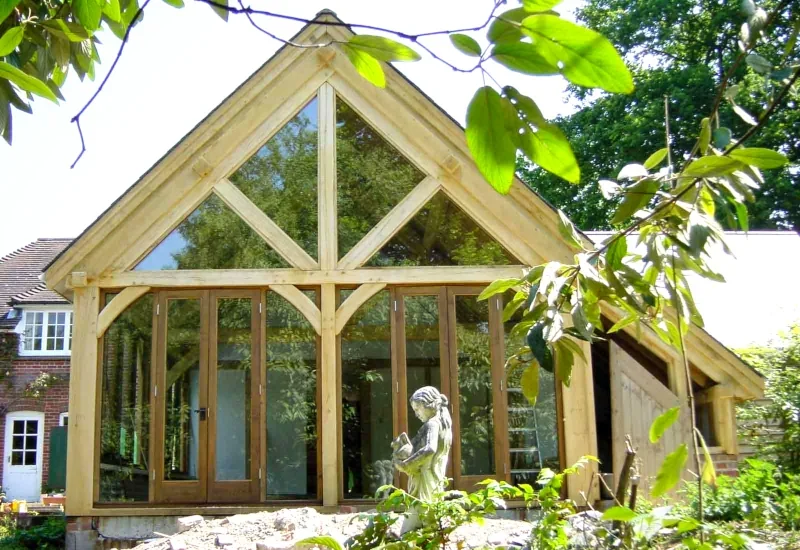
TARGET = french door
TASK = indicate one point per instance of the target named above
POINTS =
(207, 402)
(449, 339)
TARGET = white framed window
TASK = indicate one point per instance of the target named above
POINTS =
(63, 419)
(45, 332)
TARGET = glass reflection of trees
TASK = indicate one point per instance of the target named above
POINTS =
(372, 176)
(532, 431)
(367, 398)
(125, 404)
(212, 237)
(474, 386)
(281, 178)
(423, 355)
(291, 401)
(441, 234)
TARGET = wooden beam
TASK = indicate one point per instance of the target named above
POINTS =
(233, 278)
(385, 229)
(580, 429)
(330, 440)
(117, 305)
(268, 230)
(302, 302)
(723, 410)
(355, 301)
(83, 390)
(77, 279)
(326, 124)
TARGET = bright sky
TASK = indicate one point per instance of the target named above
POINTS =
(177, 66)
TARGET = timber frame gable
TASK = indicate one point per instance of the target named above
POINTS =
(104, 257)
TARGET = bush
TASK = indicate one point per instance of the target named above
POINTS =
(763, 494)
(48, 535)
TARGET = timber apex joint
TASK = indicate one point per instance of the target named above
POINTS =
(77, 279)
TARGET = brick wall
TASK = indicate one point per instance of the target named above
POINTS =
(53, 401)
(724, 463)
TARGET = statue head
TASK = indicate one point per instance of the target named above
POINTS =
(427, 402)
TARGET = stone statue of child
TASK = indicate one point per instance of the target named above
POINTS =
(426, 466)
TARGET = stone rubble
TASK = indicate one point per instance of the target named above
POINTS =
(281, 530)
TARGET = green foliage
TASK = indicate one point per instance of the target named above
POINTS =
(47, 535)
(663, 422)
(680, 50)
(669, 474)
(763, 494)
(781, 366)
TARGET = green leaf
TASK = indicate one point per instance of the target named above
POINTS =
(536, 6)
(744, 115)
(220, 8)
(758, 63)
(6, 7)
(710, 166)
(567, 230)
(383, 49)
(616, 252)
(622, 323)
(523, 57)
(67, 29)
(708, 473)
(497, 287)
(10, 40)
(175, 3)
(759, 157)
(112, 11)
(662, 423)
(618, 513)
(327, 542)
(88, 13)
(741, 215)
(564, 361)
(489, 141)
(529, 382)
(722, 137)
(635, 197)
(588, 59)
(549, 148)
(539, 348)
(670, 472)
(366, 65)
(705, 135)
(26, 82)
(656, 158)
(503, 28)
(466, 44)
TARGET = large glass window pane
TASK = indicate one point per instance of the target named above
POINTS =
(422, 349)
(125, 404)
(441, 234)
(291, 401)
(372, 176)
(281, 178)
(475, 408)
(234, 367)
(182, 396)
(367, 398)
(532, 430)
(212, 237)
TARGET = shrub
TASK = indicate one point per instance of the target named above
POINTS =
(763, 494)
(48, 535)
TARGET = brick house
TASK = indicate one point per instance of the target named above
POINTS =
(35, 343)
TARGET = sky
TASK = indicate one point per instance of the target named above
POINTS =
(177, 66)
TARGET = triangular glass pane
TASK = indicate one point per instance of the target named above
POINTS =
(281, 178)
(372, 176)
(212, 237)
(442, 234)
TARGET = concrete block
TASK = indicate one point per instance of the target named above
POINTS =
(224, 540)
(177, 543)
(80, 540)
(185, 523)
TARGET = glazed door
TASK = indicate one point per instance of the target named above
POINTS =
(450, 340)
(476, 377)
(206, 397)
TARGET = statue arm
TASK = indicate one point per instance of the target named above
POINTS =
(429, 447)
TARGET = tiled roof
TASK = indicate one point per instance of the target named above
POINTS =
(19, 276)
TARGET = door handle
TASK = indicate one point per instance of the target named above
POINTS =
(203, 412)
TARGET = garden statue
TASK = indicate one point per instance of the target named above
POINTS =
(424, 458)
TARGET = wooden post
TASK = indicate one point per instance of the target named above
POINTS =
(723, 410)
(580, 430)
(330, 444)
(328, 247)
(82, 402)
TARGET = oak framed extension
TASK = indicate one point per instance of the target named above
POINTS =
(394, 249)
